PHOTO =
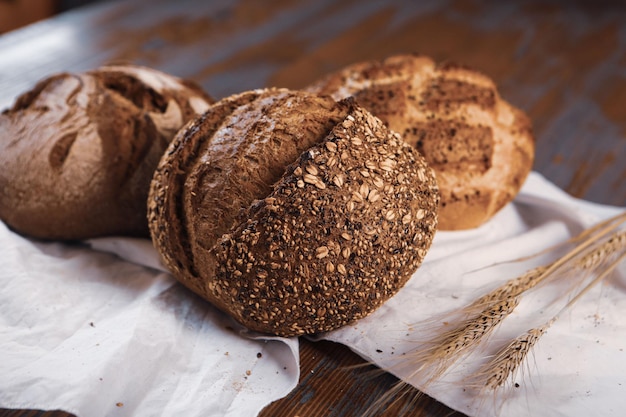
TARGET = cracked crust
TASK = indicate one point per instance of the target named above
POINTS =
(78, 150)
(480, 146)
(293, 213)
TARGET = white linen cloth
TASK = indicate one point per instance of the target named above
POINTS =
(92, 334)
(86, 331)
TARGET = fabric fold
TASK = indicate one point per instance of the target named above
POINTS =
(101, 334)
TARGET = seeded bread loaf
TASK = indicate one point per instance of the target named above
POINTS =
(78, 151)
(293, 213)
(480, 146)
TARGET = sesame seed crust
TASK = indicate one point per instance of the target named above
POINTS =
(343, 227)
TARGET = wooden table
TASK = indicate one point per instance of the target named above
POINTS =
(563, 62)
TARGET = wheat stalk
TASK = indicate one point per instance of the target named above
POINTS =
(449, 346)
(507, 361)
(610, 246)
(530, 279)
(480, 319)
(474, 323)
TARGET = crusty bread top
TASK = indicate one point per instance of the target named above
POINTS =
(292, 212)
(223, 161)
(78, 150)
(480, 147)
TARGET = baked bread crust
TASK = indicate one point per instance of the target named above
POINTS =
(481, 147)
(78, 150)
(292, 212)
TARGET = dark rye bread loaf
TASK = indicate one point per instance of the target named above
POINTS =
(78, 151)
(293, 213)
(480, 146)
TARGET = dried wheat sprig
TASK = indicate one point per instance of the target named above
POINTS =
(508, 360)
(609, 248)
(475, 329)
(477, 321)
(533, 277)
(450, 346)
(500, 302)
(593, 258)
(530, 279)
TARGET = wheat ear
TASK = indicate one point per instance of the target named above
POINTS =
(477, 321)
(507, 361)
(450, 346)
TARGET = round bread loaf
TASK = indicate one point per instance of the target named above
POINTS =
(78, 151)
(292, 212)
(480, 147)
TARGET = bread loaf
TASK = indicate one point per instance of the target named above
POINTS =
(78, 151)
(293, 213)
(480, 146)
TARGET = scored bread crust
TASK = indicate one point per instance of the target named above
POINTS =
(78, 150)
(480, 146)
(293, 213)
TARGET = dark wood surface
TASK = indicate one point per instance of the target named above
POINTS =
(563, 62)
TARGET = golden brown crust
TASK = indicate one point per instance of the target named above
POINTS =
(480, 147)
(341, 215)
(78, 151)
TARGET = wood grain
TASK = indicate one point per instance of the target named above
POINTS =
(563, 62)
